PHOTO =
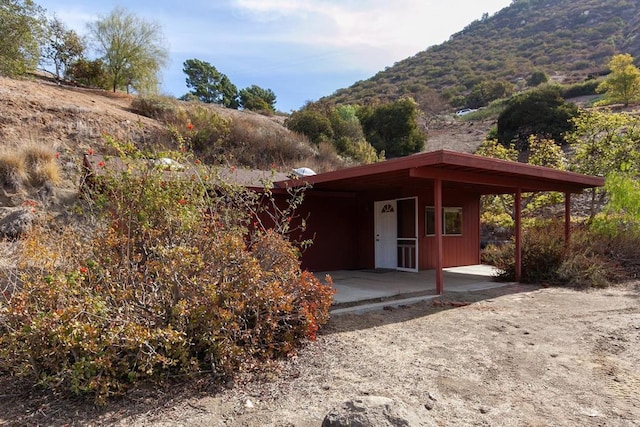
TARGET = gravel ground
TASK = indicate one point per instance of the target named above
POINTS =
(514, 356)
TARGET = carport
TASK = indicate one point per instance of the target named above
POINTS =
(430, 205)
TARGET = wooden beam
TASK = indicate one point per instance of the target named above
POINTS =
(517, 204)
(437, 207)
(508, 182)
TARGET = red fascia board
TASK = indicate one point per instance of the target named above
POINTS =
(451, 160)
(517, 169)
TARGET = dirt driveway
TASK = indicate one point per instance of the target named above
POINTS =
(516, 356)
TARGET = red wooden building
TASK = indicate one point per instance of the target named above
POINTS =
(413, 213)
(417, 212)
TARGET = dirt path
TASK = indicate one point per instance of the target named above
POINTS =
(516, 356)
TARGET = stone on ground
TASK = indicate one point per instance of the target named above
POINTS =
(376, 411)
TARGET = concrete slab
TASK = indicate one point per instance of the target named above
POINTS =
(354, 287)
(363, 308)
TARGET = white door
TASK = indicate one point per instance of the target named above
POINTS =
(386, 234)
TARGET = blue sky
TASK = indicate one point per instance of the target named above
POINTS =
(300, 49)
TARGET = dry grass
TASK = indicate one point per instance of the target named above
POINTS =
(242, 138)
(31, 166)
(13, 172)
(41, 165)
(325, 159)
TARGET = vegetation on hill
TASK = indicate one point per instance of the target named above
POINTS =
(22, 25)
(623, 84)
(364, 133)
(132, 49)
(566, 39)
(541, 111)
(175, 280)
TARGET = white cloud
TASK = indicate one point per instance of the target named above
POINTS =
(375, 32)
(310, 46)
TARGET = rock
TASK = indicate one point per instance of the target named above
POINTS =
(16, 223)
(376, 411)
(429, 405)
(248, 404)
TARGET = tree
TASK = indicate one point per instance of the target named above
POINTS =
(623, 84)
(209, 85)
(486, 91)
(537, 78)
(542, 152)
(346, 124)
(132, 50)
(88, 72)
(541, 111)
(229, 93)
(255, 98)
(393, 127)
(21, 31)
(604, 144)
(63, 46)
(312, 123)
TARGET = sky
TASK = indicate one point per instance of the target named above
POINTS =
(300, 49)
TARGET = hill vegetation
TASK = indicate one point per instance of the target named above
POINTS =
(568, 40)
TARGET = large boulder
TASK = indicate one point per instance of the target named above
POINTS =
(376, 411)
(16, 223)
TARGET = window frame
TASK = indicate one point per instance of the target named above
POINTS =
(430, 211)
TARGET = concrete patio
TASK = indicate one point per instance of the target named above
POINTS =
(362, 290)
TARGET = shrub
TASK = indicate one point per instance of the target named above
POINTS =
(88, 73)
(363, 152)
(597, 258)
(161, 108)
(542, 255)
(13, 172)
(594, 257)
(250, 142)
(580, 89)
(180, 278)
(203, 129)
(541, 111)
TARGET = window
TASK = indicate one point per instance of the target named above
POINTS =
(451, 221)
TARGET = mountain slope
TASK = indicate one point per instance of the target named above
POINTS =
(75, 120)
(567, 39)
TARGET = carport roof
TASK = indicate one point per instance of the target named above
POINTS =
(479, 174)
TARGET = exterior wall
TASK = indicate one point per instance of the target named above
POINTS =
(331, 224)
(343, 229)
(457, 250)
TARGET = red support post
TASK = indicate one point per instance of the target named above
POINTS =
(518, 218)
(567, 219)
(437, 208)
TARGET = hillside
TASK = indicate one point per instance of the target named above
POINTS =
(75, 120)
(567, 39)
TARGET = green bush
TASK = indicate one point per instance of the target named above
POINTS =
(580, 89)
(542, 255)
(541, 111)
(88, 73)
(181, 278)
(161, 108)
(594, 257)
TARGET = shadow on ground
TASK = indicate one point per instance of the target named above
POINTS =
(394, 313)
